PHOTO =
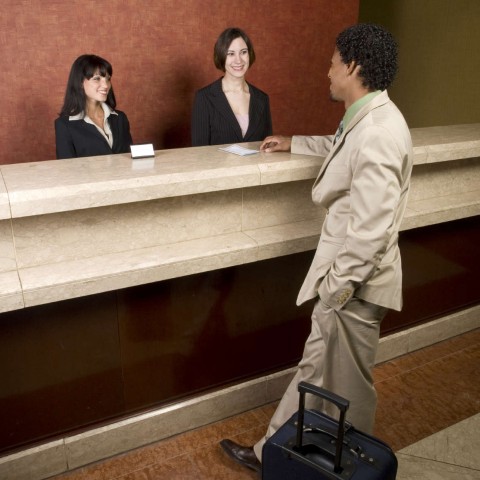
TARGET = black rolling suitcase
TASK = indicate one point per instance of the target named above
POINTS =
(313, 446)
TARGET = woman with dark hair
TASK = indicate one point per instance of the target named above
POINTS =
(231, 110)
(88, 124)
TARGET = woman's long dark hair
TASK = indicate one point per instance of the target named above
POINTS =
(84, 67)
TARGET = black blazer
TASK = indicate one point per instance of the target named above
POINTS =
(214, 123)
(76, 138)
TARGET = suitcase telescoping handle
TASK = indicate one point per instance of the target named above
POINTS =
(341, 403)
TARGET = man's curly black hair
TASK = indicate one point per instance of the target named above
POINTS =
(374, 49)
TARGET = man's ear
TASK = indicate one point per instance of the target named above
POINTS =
(353, 68)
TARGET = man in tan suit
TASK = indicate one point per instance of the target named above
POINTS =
(356, 273)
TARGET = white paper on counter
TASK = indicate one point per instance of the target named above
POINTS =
(238, 150)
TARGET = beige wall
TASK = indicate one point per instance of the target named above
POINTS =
(439, 42)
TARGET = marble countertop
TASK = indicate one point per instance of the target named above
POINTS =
(61, 185)
(54, 186)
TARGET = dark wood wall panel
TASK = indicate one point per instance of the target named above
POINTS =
(440, 272)
(206, 330)
(69, 365)
(60, 368)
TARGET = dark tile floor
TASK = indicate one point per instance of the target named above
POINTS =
(418, 394)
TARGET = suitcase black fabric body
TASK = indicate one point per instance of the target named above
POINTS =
(324, 448)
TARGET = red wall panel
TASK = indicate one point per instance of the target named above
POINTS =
(161, 52)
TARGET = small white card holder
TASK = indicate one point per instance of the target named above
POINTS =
(142, 151)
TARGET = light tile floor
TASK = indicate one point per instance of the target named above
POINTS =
(450, 454)
(428, 411)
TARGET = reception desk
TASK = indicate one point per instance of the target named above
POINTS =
(142, 295)
(83, 226)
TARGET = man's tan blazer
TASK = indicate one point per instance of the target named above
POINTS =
(363, 185)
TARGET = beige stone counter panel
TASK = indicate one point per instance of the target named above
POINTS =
(286, 239)
(61, 237)
(444, 143)
(11, 296)
(75, 278)
(63, 185)
(278, 204)
(444, 209)
(7, 249)
(444, 179)
(4, 201)
(278, 168)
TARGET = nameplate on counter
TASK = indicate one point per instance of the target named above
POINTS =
(142, 151)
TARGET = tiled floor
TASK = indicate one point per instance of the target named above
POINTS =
(427, 411)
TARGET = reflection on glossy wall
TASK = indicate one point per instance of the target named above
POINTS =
(161, 52)
(439, 41)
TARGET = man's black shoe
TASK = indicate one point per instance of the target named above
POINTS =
(243, 455)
